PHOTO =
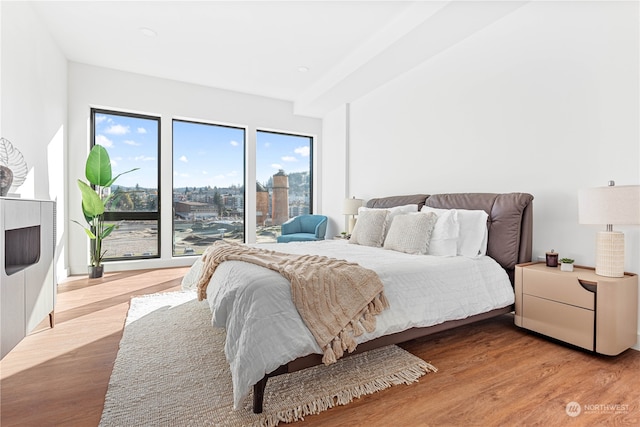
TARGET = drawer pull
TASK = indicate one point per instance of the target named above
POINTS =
(588, 285)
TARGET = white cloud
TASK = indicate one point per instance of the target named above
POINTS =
(114, 163)
(234, 143)
(141, 130)
(117, 130)
(131, 142)
(233, 173)
(289, 159)
(143, 158)
(303, 151)
(267, 144)
(104, 141)
(276, 166)
(205, 173)
(184, 159)
(100, 119)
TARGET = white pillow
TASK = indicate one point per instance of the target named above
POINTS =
(394, 211)
(444, 238)
(410, 233)
(473, 234)
(370, 228)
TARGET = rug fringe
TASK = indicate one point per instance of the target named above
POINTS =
(406, 376)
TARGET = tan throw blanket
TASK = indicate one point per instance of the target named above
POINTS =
(336, 299)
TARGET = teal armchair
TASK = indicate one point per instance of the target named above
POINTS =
(304, 228)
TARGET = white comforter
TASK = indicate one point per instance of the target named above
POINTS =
(264, 330)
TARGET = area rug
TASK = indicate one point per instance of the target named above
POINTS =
(171, 371)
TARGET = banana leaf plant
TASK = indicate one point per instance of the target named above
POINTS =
(98, 173)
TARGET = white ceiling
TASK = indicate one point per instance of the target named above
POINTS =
(257, 47)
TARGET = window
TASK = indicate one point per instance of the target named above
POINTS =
(284, 175)
(132, 141)
(208, 185)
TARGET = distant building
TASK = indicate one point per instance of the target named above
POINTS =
(193, 210)
(297, 210)
(262, 204)
(280, 202)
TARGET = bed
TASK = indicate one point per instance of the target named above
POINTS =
(427, 294)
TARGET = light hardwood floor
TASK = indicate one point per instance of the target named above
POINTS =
(490, 373)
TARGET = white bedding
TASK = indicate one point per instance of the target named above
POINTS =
(264, 330)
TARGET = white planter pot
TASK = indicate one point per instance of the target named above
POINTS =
(566, 267)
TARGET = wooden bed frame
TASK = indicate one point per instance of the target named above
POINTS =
(510, 226)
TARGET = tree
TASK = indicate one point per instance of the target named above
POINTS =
(218, 202)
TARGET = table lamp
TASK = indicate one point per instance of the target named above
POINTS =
(350, 208)
(610, 205)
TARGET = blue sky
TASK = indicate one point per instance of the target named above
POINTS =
(131, 143)
(202, 154)
(277, 151)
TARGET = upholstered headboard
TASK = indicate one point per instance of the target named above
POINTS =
(510, 221)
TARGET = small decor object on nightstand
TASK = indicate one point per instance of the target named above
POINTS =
(566, 264)
(552, 258)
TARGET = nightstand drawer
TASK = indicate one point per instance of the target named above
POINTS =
(557, 285)
(565, 322)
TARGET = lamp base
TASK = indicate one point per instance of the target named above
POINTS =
(352, 223)
(610, 254)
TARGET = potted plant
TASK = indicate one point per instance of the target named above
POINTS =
(98, 174)
(566, 264)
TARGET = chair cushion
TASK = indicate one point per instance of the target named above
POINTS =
(297, 237)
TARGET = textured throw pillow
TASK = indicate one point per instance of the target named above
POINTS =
(369, 229)
(444, 238)
(410, 233)
(473, 235)
(393, 212)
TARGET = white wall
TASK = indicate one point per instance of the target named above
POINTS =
(334, 169)
(100, 87)
(544, 101)
(33, 116)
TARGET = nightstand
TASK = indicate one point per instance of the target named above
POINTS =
(581, 308)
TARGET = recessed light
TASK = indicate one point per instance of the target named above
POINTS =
(148, 32)
(303, 69)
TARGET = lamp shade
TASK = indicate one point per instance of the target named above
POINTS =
(350, 206)
(618, 204)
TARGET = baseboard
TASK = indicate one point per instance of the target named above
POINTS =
(141, 264)
(637, 345)
(61, 274)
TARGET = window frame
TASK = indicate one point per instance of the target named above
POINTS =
(312, 140)
(245, 131)
(137, 215)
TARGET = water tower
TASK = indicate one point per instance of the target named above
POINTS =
(280, 198)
